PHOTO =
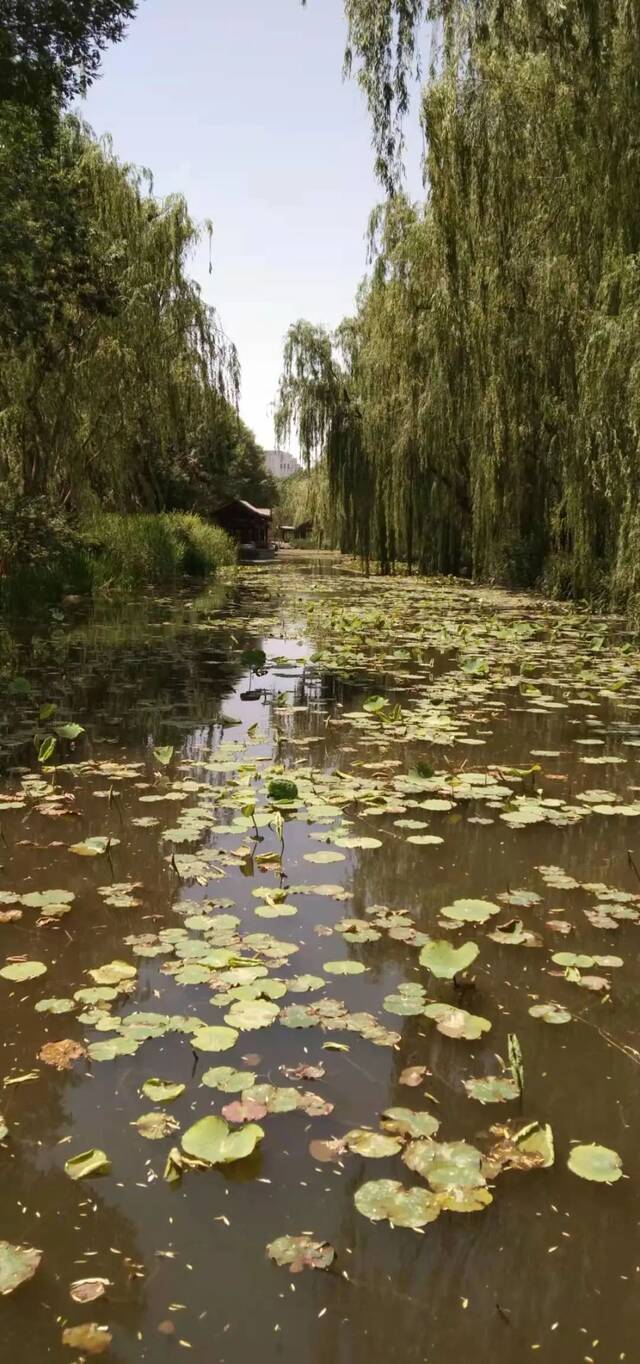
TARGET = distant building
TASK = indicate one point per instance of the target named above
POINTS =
(281, 464)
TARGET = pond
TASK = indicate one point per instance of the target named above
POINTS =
(350, 866)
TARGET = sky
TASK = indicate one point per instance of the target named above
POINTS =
(241, 106)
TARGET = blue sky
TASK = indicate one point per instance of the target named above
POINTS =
(240, 105)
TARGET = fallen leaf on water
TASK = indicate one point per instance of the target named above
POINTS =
(89, 1338)
(301, 1252)
(18, 1264)
(412, 1075)
(88, 1290)
(86, 1164)
(61, 1054)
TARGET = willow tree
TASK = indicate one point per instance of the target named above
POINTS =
(498, 351)
(129, 374)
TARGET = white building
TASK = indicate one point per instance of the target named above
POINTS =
(281, 464)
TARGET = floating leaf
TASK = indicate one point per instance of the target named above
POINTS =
(344, 968)
(301, 1252)
(551, 1013)
(18, 1264)
(371, 1144)
(457, 1022)
(470, 911)
(214, 1039)
(87, 1164)
(324, 857)
(409, 1124)
(154, 1126)
(94, 847)
(162, 1091)
(89, 1338)
(211, 1140)
(228, 1080)
(382, 1199)
(88, 1290)
(446, 1165)
(61, 1054)
(23, 970)
(248, 1015)
(493, 1089)
(446, 961)
(113, 973)
(598, 1163)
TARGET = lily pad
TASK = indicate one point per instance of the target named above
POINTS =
(87, 1165)
(94, 847)
(89, 1338)
(18, 1264)
(453, 1022)
(409, 1124)
(301, 1252)
(344, 968)
(212, 1141)
(374, 1145)
(154, 1126)
(214, 1039)
(493, 1089)
(249, 1015)
(597, 1163)
(470, 911)
(23, 970)
(228, 1080)
(446, 961)
(387, 1199)
(551, 1013)
(162, 1091)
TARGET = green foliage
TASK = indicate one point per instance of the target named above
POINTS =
(131, 550)
(52, 51)
(481, 412)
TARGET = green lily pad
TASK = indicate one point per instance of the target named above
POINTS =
(154, 1126)
(113, 973)
(457, 1022)
(326, 856)
(446, 961)
(18, 1264)
(493, 1089)
(470, 911)
(42, 899)
(597, 1163)
(409, 1124)
(93, 847)
(344, 968)
(162, 1091)
(116, 1046)
(300, 985)
(387, 1199)
(551, 1013)
(212, 1141)
(87, 1164)
(228, 1080)
(55, 1006)
(371, 1144)
(23, 970)
(446, 1165)
(214, 1039)
(248, 1015)
(301, 1252)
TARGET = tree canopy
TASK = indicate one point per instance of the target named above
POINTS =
(485, 417)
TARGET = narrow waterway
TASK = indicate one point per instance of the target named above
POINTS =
(465, 769)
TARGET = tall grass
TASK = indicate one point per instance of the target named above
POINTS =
(128, 551)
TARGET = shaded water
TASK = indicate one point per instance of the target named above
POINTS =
(551, 1266)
